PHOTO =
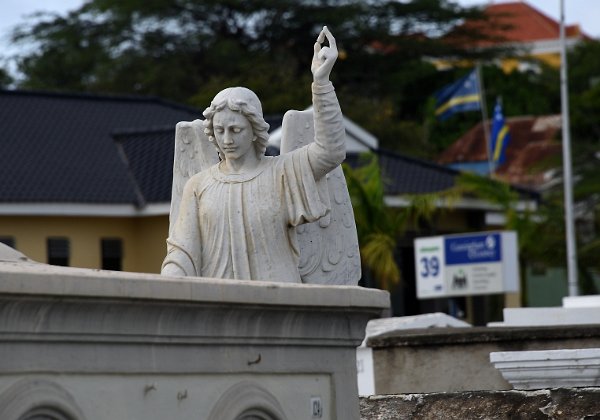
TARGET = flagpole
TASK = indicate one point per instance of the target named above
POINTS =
(484, 116)
(567, 175)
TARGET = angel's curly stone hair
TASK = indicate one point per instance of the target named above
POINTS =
(244, 101)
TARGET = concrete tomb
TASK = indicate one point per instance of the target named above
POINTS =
(91, 344)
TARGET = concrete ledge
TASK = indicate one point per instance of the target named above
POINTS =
(581, 403)
(441, 336)
(31, 278)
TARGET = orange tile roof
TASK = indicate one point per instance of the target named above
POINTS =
(524, 170)
(532, 142)
(519, 22)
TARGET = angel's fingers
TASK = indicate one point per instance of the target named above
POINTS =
(317, 47)
(329, 36)
(321, 36)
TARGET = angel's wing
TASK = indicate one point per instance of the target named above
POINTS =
(193, 153)
(328, 247)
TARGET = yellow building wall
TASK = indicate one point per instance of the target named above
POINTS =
(143, 238)
(151, 247)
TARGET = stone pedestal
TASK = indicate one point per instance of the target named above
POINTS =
(86, 344)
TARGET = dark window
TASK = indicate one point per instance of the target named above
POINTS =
(7, 240)
(112, 254)
(58, 251)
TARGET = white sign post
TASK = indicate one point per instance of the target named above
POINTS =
(469, 264)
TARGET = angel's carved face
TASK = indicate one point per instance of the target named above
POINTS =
(233, 133)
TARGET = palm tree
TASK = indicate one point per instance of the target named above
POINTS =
(380, 226)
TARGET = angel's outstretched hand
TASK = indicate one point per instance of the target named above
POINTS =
(323, 57)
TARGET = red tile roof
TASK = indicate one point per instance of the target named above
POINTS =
(533, 141)
(525, 170)
(519, 22)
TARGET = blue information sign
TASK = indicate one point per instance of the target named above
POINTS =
(473, 249)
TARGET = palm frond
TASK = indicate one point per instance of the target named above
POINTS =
(378, 254)
(494, 191)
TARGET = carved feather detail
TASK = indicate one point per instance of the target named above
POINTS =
(328, 247)
(193, 154)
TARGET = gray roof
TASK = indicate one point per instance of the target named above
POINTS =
(406, 175)
(148, 156)
(58, 148)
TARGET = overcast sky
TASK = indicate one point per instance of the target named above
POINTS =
(584, 12)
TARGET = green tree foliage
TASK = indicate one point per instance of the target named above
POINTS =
(584, 94)
(187, 50)
(541, 230)
(5, 78)
(584, 89)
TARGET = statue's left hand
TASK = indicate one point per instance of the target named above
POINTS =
(323, 57)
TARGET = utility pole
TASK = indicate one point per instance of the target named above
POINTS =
(567, 172)
(484, 118)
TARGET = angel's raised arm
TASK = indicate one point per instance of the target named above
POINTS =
(329, 147)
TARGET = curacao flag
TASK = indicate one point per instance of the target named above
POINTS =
(500, 135)
(460, 96)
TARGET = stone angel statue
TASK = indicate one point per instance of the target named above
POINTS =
(238, 214)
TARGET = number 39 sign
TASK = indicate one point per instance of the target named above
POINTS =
(469, 264)
(430, 266)
(429, 262)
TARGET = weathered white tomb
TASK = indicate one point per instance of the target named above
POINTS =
(91, 344)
